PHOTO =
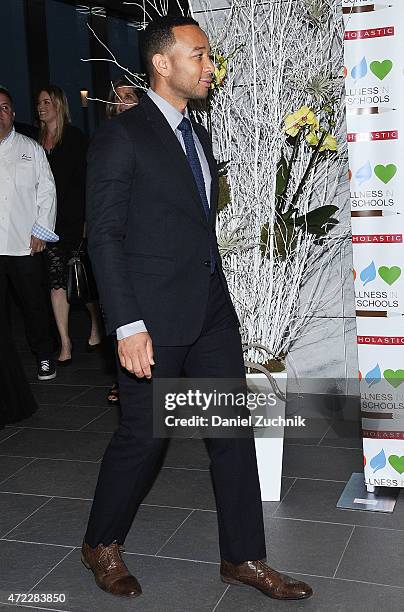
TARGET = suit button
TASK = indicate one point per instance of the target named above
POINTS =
(207, 263)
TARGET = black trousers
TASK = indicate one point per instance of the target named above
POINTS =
(130, 461)
(26, 276)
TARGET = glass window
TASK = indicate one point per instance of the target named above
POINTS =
(13, 50)
(123, 42)
(68, 43)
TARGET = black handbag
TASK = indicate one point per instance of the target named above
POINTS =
(78, 286)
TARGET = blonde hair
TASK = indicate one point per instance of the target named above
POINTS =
(58, 97)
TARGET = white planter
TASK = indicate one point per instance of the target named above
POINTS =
(269, 449)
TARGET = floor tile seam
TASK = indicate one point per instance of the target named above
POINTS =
(172, 558)
(51, 570)
(90, 499)
(174, 532)
(185, 469)
(10, 531)
(68, 384)
(30, 428)
(324, 435)
(95, 419)
(58, 384)
(304, 520)
(340, 447)
(78, 395)
(68, 404)
(343, 552)
(380, 584)
(44, 495)
(284, 497)
(99, 431)
(46, 459)
(350, 448)
(14, 433)
(17, 541)
(179, 507)
(33, 459)
(38, 608)
(343, 579)
(221, 598)
(315, 479)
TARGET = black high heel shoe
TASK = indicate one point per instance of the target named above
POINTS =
(91, 348)
(65, 362)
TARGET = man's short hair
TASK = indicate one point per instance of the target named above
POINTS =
(158, 37)
(5, 92)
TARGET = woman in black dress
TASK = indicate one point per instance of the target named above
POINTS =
(66, 149)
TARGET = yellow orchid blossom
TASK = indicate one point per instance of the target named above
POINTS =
(220, 71)
(294, 121)
(312, 138)
(329, 144)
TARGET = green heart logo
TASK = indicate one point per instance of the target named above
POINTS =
(389, 275)
(397, 463)
(385, 173)
(381, 69)
(394, 377)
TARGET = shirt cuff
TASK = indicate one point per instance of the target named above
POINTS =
(130, 329)
(44, 233)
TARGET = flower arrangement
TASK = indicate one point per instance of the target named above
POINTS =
(304, 130)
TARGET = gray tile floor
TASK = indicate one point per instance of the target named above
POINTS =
(48, 469)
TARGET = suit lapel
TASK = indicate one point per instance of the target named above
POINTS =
(176, 156)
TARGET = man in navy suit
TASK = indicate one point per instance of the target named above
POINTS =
(152, 200)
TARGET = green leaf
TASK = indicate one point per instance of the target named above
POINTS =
(281, 176)
(264, 244)
(224, 192)
(318, 216)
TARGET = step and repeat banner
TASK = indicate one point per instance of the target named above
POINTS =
(374, 71)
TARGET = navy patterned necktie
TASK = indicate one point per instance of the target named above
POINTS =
(185, 128)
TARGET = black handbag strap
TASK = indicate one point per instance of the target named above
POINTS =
(80, 250)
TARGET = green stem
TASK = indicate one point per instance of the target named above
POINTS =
(209, 116)
(290, 165)
(312, 162)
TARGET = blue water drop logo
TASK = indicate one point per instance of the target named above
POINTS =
(378, 462)
(364, 173)
(368, 274)
(360, 70)
(374, 376)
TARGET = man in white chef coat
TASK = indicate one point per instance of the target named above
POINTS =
(27, 221)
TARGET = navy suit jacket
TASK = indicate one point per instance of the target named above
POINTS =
(148, 236)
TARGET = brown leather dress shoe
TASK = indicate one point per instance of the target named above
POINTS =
(111, 573)
(259, 575)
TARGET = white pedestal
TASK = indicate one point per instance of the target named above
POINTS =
(269, 448)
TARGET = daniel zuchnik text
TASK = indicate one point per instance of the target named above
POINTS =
(217, 421)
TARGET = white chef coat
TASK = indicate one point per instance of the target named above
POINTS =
(27, 193)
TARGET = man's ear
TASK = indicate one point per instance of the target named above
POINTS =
(160, 64)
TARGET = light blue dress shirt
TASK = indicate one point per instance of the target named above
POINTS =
(174, 118)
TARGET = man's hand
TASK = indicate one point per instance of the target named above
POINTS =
(136, 354)
(37, 245)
